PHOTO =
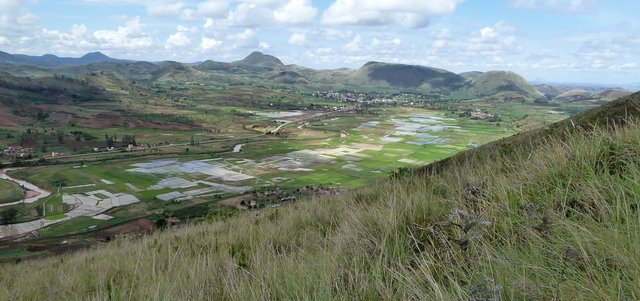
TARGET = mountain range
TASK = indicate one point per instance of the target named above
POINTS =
(259, 67)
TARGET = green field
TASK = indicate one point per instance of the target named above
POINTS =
(202, 124)
(335, 151)
(10, 192)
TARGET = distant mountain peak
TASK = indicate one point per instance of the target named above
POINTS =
(96, 55)
(369, 63)
(51, 60)
(259, 59)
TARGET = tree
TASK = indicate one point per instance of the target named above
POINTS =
(128, 139)
(58, 180)
(109, 140)
(60, 136)
(9, 215)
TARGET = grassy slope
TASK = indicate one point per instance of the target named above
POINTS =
(562, 205)
(11, 192)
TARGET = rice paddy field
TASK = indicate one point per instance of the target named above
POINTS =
(335, 151)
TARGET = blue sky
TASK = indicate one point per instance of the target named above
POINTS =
(587, 41)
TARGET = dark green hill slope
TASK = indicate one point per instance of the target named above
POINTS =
(20, 91)
(502, 83)
(407, 76)
(127, 70)
(261, 60)
(612, 94)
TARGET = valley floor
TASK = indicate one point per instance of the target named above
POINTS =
(550, 217)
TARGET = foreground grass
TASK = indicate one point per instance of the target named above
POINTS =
(552, 220)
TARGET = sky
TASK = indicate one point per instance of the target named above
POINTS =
(571, 41)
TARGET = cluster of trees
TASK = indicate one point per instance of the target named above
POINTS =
(9, 215)
(45, 137)
(112, 141)
(160, 117)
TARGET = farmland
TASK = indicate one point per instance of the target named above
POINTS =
(270, 157)
(150, 155)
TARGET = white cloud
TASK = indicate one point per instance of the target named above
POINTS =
(208, 24)
(130, 36)
(264, 45)
(244, 39)
(161, 9)
(563, 6)
(4, 41)
(298, 39)
(295, 12)
(76, 38)
(249, 15)
(209, 43)
(355, 45)
(382, 43)
(326, 50)
(213, 8)
(15, 19)
(335, 34)
(625, 67)
(498, 34)
(407, 13)
(180, 38)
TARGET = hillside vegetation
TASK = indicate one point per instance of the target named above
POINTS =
(545, 215)
(496, 83)
(407, 76)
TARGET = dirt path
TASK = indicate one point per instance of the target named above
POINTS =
(36, 194)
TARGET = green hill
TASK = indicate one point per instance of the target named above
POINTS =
(545, 215)
(259, 60)
(470, 74)
(574, 95)
(127, 70)
(612, 94)
(174, 71)
(210, 65)
(407, 76)
(19, 92)
(49, 60)
(502, 84)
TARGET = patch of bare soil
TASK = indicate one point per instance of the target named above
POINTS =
(107, 119)
(8, 118)
(141, 226)
(235, 201)
(197, 201)
(31, 194)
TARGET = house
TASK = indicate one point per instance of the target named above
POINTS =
(19, 151)
(478, 114)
